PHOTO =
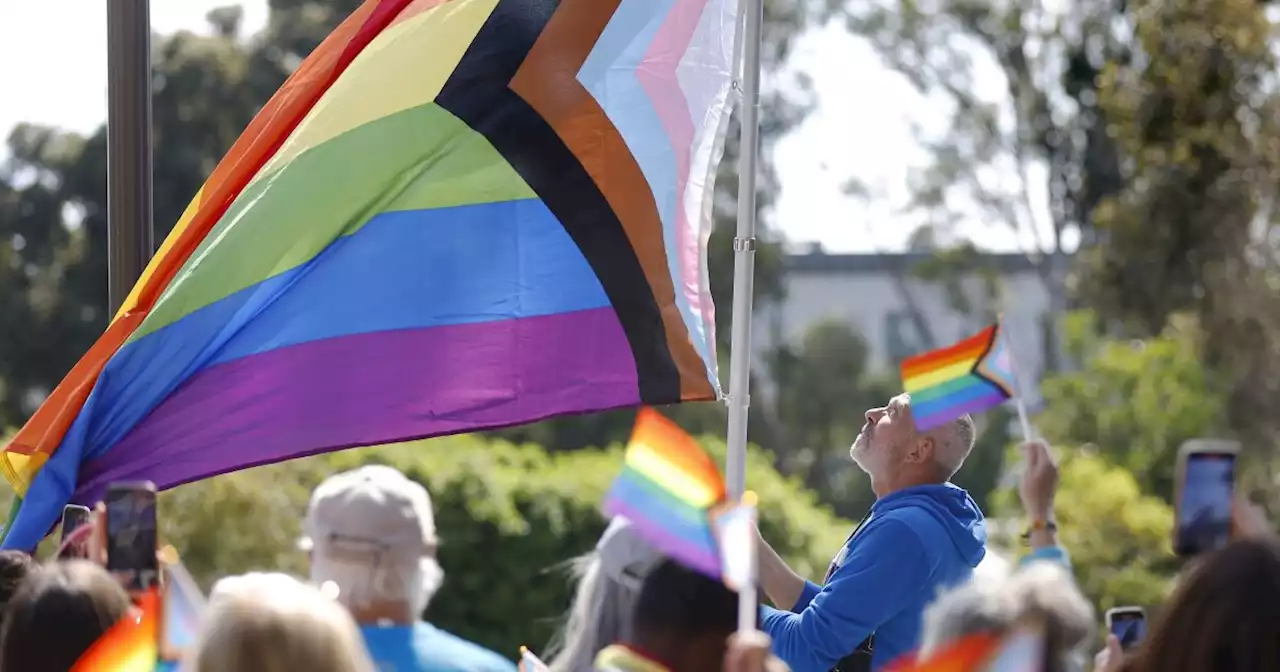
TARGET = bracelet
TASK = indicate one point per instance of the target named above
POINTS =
(1038, 526)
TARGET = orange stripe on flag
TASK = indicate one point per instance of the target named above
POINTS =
(970, 348)
(673, 445)
(128, 646)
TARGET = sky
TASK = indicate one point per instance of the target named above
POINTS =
(53, 71)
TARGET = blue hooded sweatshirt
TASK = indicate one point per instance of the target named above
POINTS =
(912, 544)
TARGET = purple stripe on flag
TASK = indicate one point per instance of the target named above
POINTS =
(698, 556)
(375, 388)
(972, 405)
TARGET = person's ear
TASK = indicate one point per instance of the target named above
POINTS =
(922, 450)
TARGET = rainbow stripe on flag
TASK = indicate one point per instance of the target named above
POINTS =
(667, 489)
(455, 215)
(969, 377)
(130, 644)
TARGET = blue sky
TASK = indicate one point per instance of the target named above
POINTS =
(862, 126)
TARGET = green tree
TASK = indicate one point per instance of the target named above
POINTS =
(1136, 401)
(1151, 127)
(1118, 537)
(1197, 124)
(822, 386)
(1039, 133)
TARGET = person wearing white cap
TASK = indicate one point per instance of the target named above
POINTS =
(609, 581)
(371, 537)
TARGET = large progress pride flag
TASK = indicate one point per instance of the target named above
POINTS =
(455, 215)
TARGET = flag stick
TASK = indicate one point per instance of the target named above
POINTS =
(1027, 434)
(1023, 419)
(744, 247)
(748, 599)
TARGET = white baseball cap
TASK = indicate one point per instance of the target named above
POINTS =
(374, 509)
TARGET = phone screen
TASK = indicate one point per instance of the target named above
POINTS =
(1129, 627)
(74, 517)
(1204, 510)
(131, 535)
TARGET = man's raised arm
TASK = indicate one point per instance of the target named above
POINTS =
(876, 581)
(783, 586)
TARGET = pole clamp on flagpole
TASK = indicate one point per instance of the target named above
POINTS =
(728, 400)
(744, 244)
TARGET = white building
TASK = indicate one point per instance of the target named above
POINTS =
(866, 291)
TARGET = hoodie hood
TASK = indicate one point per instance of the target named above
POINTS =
(951, 506)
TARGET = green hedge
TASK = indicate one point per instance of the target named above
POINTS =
(508, 517)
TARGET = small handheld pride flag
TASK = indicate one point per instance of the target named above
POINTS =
(969, 377)
(130, 644)
(667, 488)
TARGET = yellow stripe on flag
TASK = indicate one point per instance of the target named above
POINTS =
(430, 45)
(644, 459)
(184, 221)
(942, 375)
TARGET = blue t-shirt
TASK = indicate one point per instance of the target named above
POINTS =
(422, 647)
(912, 544)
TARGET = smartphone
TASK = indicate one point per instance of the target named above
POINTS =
(1206, 477)
(74, 517)
(131, 534)
(1128, 624)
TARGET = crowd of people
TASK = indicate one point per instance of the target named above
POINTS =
(899, 592)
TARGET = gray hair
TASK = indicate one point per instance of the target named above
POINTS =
(955, 441)
(601, 615)
(1042, 590)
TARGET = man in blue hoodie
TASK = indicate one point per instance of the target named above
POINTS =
(922, 535)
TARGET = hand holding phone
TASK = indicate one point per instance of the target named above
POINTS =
(131, 534)
(1205, 496)
(1128, 624)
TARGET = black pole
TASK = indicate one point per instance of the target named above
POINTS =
(129, 230)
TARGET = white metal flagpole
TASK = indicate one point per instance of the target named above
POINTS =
(744, 262)
(744, 247)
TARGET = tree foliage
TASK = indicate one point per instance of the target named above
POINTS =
(1137, 401)
(1196, 118)
(1118, 421)
(1151, 128)
(1118, 536)
(1003, 149)
(822, 386)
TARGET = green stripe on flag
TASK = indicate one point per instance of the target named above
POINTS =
(13, 515)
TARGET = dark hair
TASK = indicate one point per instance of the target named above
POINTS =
(1223, 616)
(15, 567)
(57, 614)
(678, 601)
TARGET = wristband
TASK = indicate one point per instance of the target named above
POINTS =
(1038, 526)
